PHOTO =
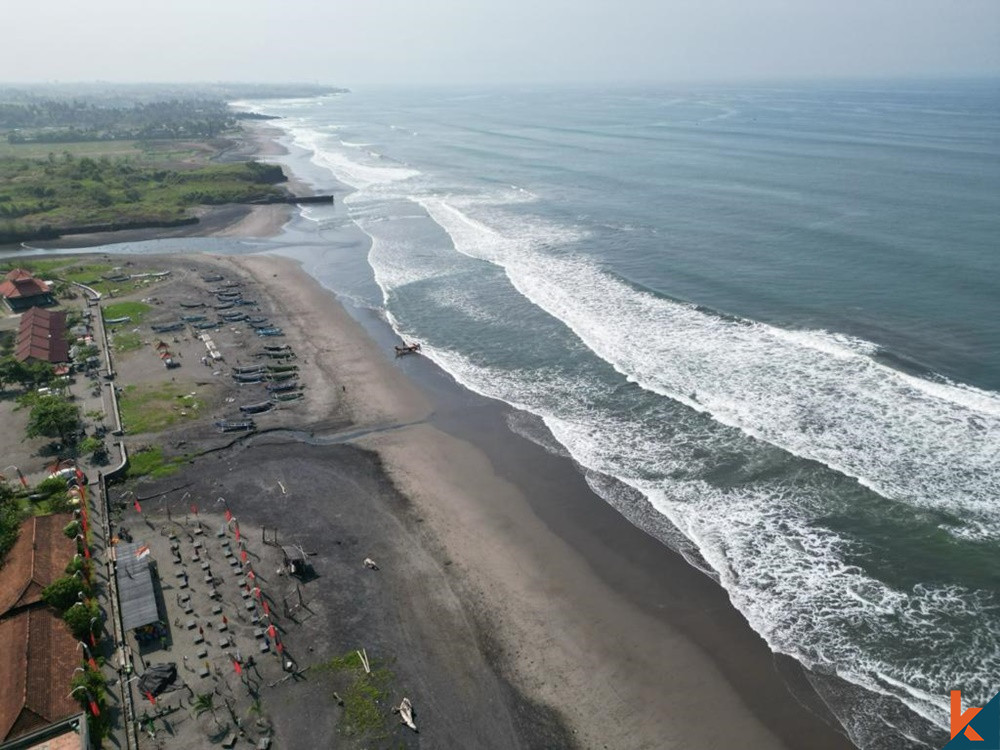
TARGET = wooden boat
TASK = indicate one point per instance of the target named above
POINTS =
(228, 425)
(117, 321)
(192, 318)
(271, 331)
(407, 349)
(276, 355)
(211, 278)
(248, 379)
(234, 317)
(279, 376)
(288, 396)
(282, 368)
(283, 387)
(247, 302)
(224, 306)
(277, 347)
(251, 370)
(167, 327)
(192, 305)
(257, 408)
(206, 326)
(258, 321)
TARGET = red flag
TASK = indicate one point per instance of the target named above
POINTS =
(237, 533)
(229, 515)
(267, 610)
(277, 645)
(93, 708)
(93, 638)
(272, 632)
(256, 591)
(237, 667)
(151, 698)
(224, 620)
(194, 509)
(243, 555)
(93, 664)
(138, 508)
(86, 552)
(24, 482)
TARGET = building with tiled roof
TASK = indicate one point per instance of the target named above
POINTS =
(20, 290)
(41, 336)
(38, 653)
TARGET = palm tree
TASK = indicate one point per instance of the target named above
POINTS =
(205, 702)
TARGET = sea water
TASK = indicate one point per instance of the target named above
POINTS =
(763, 320)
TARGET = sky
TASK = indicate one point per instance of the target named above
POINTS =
(501, 41)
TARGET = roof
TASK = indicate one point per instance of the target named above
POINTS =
(39, 556)
(42, 335)
(135, 587)
(33, 698)
(68, 734)
(293, 553)
(20, 283)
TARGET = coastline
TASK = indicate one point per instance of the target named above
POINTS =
(579, 610)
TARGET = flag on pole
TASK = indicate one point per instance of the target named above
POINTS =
(229, 515)
(93, 708)
(237, 667)
(93, 664)
(142, 552)
(93, 639)
(272, 632)
(243, 555)
(251, 575)
(194, 509)
(267, 609)
(86, 552)
(151, 698)
(135, 504)
(237, 532)
(277, 645)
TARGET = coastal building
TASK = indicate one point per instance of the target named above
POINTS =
(37, 650)
(136, 593)
(21, 291)
(41, 336)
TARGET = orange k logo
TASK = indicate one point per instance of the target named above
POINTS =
(960, 721)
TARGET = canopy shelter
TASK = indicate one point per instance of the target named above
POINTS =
(135, 585)
(295, 560)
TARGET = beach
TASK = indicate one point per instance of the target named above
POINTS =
(579, 611)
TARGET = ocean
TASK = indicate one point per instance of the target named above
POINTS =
(763, 320)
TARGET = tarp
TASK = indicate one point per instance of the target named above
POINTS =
(157, 678)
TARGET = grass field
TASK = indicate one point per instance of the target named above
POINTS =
(133, 310)
(157, 406)
(186, 152)
(126, 341)
(151, 462)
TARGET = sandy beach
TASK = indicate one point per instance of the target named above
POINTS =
(580, 611)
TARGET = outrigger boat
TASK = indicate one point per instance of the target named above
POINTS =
(251, 370)
(258, 321)
(288, 397)
(257, 408)
(227, 425)
(282, 368)
(206, 326)
(407, 349)
(283, 387)
(271, 331)
(192, 305)
(248, 379)
(117, 321)
(211, 278)
(277, 347)
(192, 318)
(167, 327)
(224, 306)
(234, 317)
(279, 376)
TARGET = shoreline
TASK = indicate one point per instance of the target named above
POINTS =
(585, 612)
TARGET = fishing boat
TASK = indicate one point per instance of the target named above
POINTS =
(224, 306)
(192, 318)
(279, 376)
(248, 379)
(258, 321)
(407, 349)
(211, 278)
(277, 347)
(257, 408)
(283, 387)
(192, 305)
(234, 317)
(205, 326)
(117, 321)
(271, 331)
(282, 368)
(287, 396)
(228, 425)
(248, 370)
(167, 327)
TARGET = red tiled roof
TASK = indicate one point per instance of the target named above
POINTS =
(39, 654)
(39, 556)
(42, 335)
(20, 283)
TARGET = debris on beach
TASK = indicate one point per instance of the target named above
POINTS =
(405, 711)
(369, 563)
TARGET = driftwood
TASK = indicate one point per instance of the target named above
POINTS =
(405, 711)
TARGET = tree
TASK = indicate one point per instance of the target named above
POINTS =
(83, 620)
(53, 417)
(205, 702)
(64, 592)
(90, 446)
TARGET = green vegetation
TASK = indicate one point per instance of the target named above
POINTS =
(156, 406)
(28, 375)
(126, 341)
(152, 463)
(53, 417)
(64, 592)
(134, 310)
(366, 697)
(42, 198)
(11, 516)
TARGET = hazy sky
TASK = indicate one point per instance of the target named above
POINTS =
(470, 41)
